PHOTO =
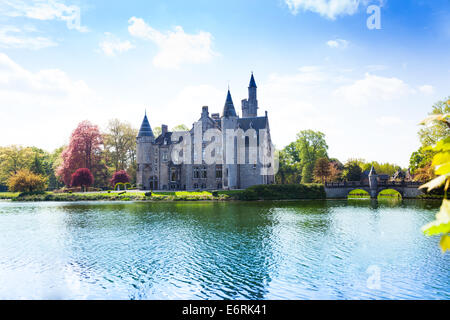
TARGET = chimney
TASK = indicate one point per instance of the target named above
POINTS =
(205, 112)
(215, 116)
(164, 129)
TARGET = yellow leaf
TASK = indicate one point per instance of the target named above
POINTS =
(442, 169)
(441, 158)
(445, 243)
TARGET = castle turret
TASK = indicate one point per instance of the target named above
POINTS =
(250, 105)
(373, 183)
(229, 125)
(144, 146)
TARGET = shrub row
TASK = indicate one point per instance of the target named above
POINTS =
(282, 192)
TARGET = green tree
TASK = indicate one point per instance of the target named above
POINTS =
(435, 130)
(120, 144)
(157, 131)
(310, 146)
(288, 170)
(352, 171)
(12, 159)
(180, 127)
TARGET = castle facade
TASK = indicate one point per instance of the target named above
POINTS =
(221, 151)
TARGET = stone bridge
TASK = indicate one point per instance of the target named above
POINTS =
(340, 190)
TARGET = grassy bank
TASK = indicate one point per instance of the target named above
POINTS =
(262, 192)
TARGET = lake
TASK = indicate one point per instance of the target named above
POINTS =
(355, 249)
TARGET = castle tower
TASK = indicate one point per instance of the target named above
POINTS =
(250, 105)
(144, 154)
(373, 183)
(229, 122)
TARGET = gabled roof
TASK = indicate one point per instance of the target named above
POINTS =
(146, 130)
(256, 123)
(228, 109)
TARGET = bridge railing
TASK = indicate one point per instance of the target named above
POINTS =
(344, 184)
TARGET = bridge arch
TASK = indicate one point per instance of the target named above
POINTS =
(398, 190)
(354, 193)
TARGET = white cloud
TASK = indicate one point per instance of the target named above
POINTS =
(13, 37)
(426, 89)
(175, 47)
(338, 43)
(388, 121)
(111, 45)
(187, 104)
(45, 10)
(41, 107)
(327, 8)
(373, 88)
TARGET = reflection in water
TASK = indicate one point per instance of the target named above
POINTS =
(213, 250)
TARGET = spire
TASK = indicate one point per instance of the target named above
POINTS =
(252, 82)
(372, 171)
(146, 130)
(228, 109)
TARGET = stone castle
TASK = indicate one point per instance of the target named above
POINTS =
(157, 169)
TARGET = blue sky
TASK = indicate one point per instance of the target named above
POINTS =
(316, 63)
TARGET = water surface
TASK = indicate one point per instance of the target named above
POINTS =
(211, 250)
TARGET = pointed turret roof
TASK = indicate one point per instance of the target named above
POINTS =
(146, 130)
(372, 171)
(228, 109)
(252, 82)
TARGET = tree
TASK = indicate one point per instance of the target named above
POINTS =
(424, 174)
(180, 127)
(381, 168)
(309, 146)
(352, 171)
(120, 177)
(335, 171)
(436, 130)
(322, 170)
(84, 151)
(82, 178)
(157, 131)
(26, 181)
(12, 159)
(420, 159)
(288, 171)
(120, 144)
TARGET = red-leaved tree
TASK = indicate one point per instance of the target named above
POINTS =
(83, 151)
(120, 176)
(82, 178)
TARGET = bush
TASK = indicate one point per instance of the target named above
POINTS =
(120, 177)
(283, 192)
(82, 178)
(26, 181)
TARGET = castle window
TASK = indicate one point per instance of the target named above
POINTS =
(196, 173)
(173, 175)
(165, 156)
(195, 185)
(218, 172)
(204, 173)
